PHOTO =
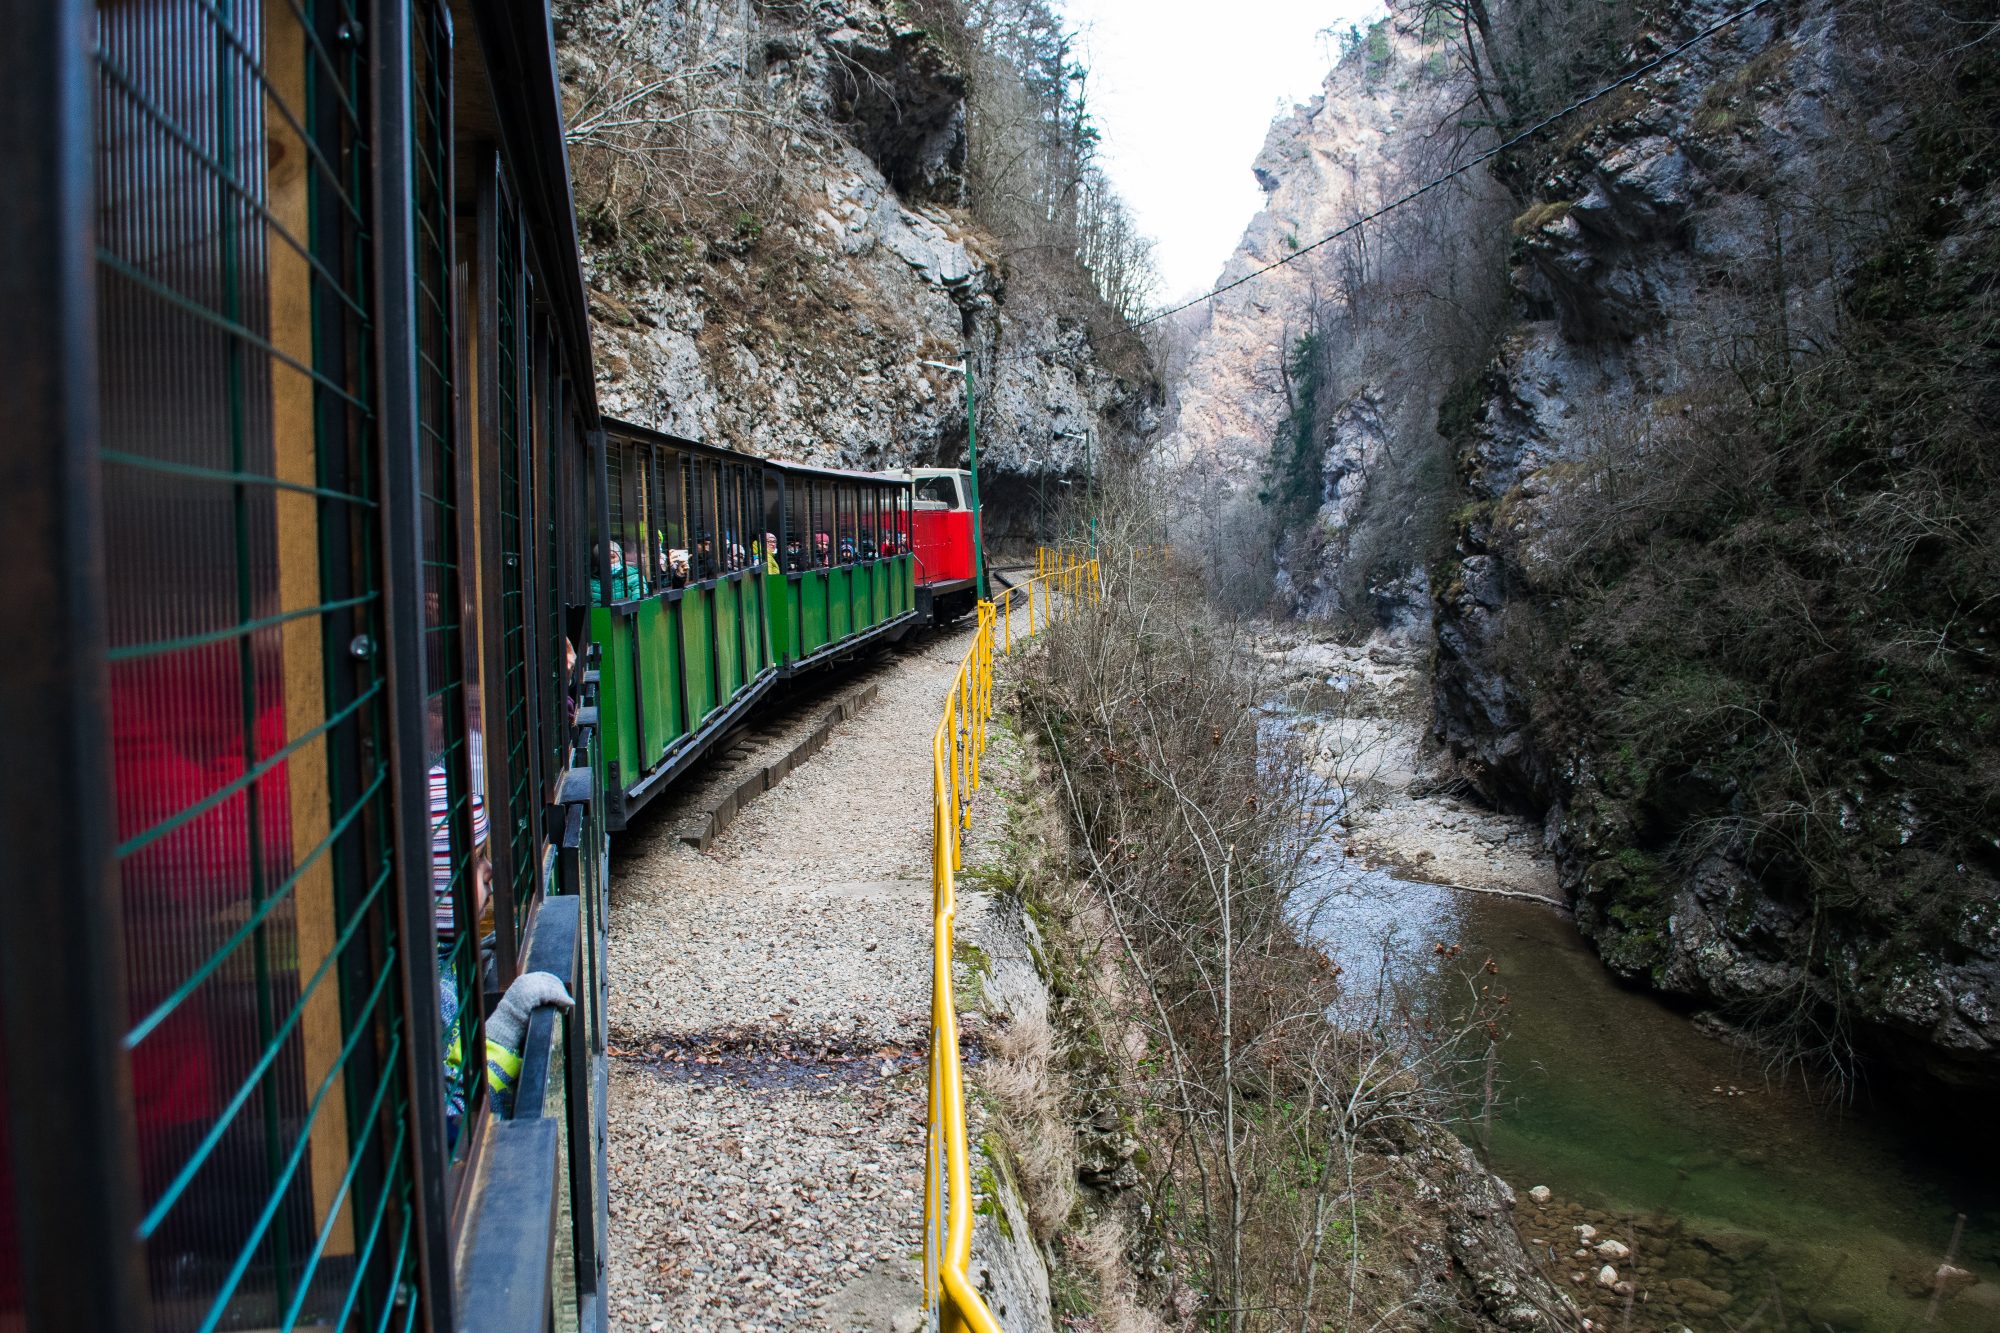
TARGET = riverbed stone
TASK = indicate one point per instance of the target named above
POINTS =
(1607, 1276)
(1540, 1194)
(1697, 1298)
(1613, 1249)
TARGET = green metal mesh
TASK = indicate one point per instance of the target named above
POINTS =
(516, 839)
(247, 701)
(453, 747)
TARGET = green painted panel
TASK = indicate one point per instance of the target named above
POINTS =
(780, 614)
(813, 594)
(728, 643)
(840, 610)
(748, 618)
(614, 691)
(695, 659)
(761, 638)
(660, 678)
(880, 576)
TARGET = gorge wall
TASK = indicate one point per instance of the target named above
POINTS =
(1677, 451)
(777, 237)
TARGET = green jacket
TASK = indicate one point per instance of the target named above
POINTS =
(625, 586)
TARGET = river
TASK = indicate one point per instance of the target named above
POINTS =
(1747, 1203)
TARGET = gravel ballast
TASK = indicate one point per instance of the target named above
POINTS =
(769, 1012)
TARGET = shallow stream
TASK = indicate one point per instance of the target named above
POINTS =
(1747, 1205)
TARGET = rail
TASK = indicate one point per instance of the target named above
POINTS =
(1062, 580)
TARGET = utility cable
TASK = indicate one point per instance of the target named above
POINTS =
(1457, 171)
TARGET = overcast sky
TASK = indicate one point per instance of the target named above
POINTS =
(1184, 91)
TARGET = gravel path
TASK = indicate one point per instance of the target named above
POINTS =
(769, 1009)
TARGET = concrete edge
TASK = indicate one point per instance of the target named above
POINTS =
(705, 826)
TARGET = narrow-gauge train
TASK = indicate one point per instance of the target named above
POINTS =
(344, 630)
(731, 573)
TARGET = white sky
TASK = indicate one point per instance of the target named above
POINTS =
(1183, 91)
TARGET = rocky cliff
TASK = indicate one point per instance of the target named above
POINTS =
(1310, 396)
(1709, 561)
(1718, 601)
(781, 242)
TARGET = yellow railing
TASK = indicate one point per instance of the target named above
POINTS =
(1059, 585)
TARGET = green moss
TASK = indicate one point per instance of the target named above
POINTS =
(986, 1186)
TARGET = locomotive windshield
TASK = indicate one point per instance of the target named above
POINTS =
(938, 490)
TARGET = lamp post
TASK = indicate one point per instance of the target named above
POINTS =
(1089, 438)
(972, 462)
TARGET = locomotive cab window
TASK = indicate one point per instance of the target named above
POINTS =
(939, 492)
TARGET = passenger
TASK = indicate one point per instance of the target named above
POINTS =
(449, 1003)
(677, 568)
(795, 555)
(822, 550)
(507, 1031)
(846, 549)
(704, 560)
(457, 940)
(625, 584)
(769, 553)
(867, 546)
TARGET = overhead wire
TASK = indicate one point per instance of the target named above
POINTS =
(1488, 155)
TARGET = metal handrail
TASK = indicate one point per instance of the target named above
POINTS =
(953, 1302)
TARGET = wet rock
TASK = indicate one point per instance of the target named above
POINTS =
(1607, 1276)
(1540, 1194)
(1695, 1297)
(1611, 1250)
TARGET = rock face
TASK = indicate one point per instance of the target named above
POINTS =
(1318, 164)
(1646, 221)
(1743, 207)
(796, 328)
(1300, 391)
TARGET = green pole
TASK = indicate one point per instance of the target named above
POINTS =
(972, 451)
(1090, 466)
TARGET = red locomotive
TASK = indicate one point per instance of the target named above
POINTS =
(943, 539)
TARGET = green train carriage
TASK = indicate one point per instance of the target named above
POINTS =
(726, 574)
(298, 771)
(327, 690)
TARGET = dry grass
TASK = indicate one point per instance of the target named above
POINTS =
(1022, 1075)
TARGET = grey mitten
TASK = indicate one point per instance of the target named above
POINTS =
(508, 1025)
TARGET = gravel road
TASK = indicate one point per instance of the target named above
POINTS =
(769, 1009)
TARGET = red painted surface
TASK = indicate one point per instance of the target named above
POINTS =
(943, 543)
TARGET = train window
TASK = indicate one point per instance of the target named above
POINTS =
(795, 536)
(670, 559)
(748, 520)
(724, 528)
(821, 545)
(774, 523)
(725, 515)
(249, 781)
(701, 515)
(639, 554)
(938, 491)
(885, 522)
